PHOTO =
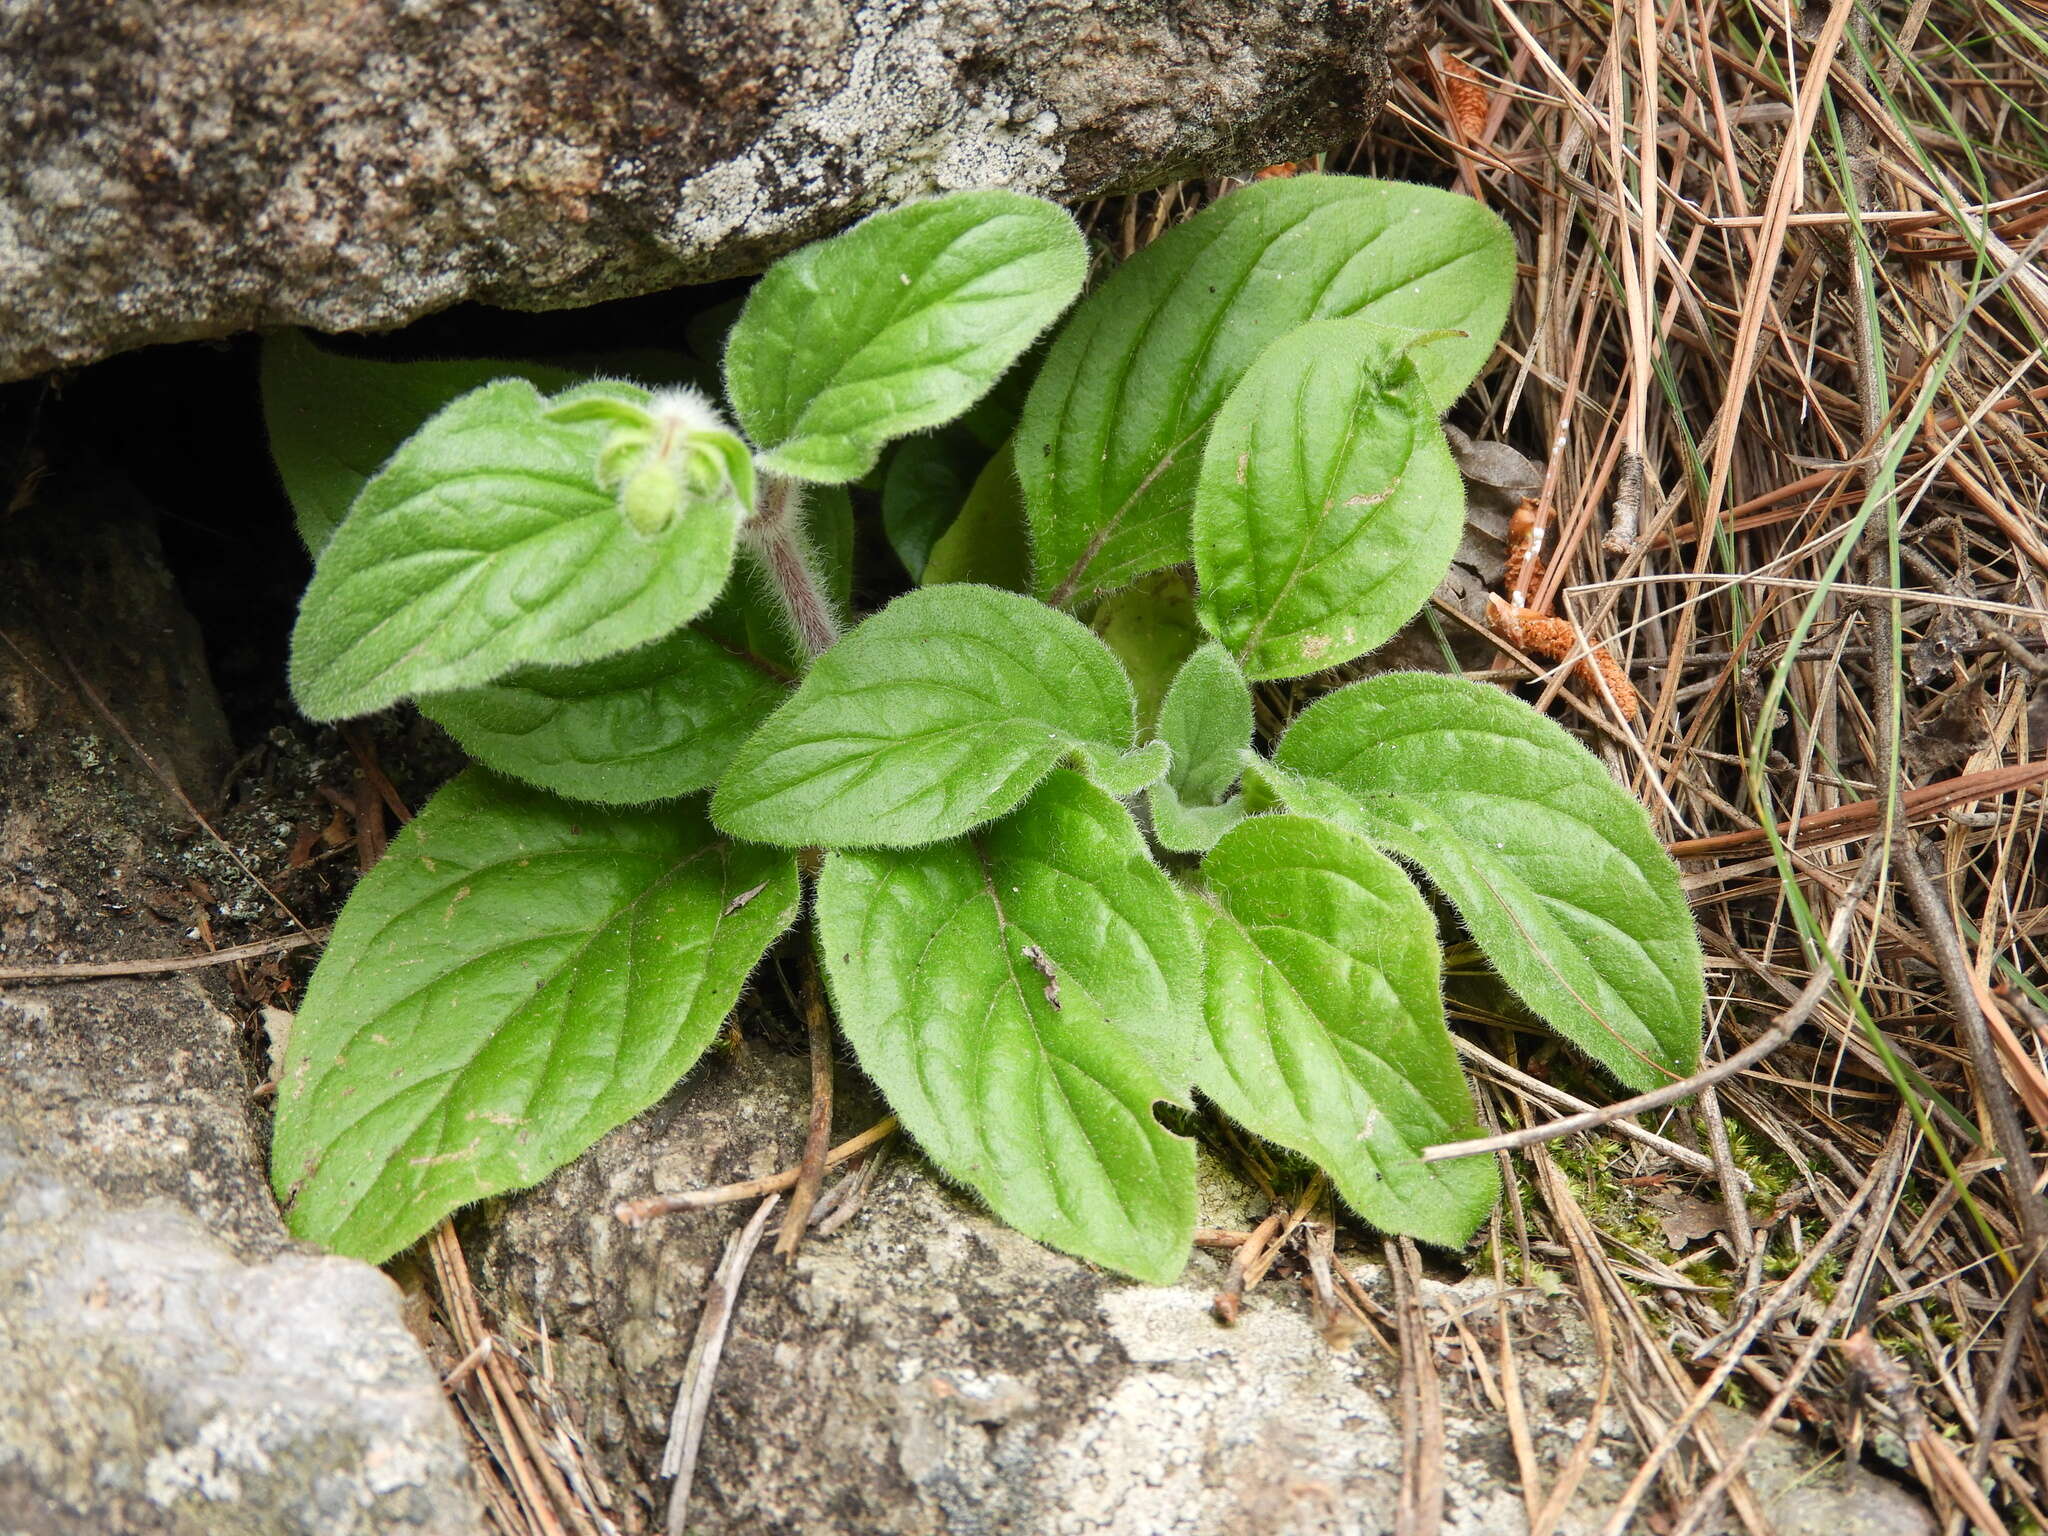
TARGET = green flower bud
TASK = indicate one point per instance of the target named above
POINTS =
(675, 454)
(653, 498)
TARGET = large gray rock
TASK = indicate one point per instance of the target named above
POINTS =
(174, 170)
(928, 1371)
(169, 1361)
(153, 1380)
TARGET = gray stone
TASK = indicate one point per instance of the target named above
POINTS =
(169, 1360)
(152, 1380)
(927, 1370)
(170, 170)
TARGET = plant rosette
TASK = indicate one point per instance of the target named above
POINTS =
(1058, 883)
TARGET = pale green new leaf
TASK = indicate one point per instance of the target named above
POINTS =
(987, 541)
(484, 545)
(1126, 774)
(1553, 866)
(1183, 828)
(1328, 506)
(1112, 434)
(1206, 720)
(1326, 1022)
(515, 978)
(1152, 627)
(333, 420)
(899, 324)
(938, 714)
(1023, 998)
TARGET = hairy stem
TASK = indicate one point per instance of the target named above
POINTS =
(775, 534)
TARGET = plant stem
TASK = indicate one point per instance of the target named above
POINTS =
(776, 536)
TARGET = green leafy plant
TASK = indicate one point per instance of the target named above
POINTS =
(1056, 884)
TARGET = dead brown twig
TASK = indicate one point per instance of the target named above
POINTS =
(635, 1212)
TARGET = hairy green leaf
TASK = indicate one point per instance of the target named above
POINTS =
(1328, 506)
(987, 542)
(334, 420)
(900, 323)
(514, 979)
(486, 544)
(1182, 828)
(646, 724)
(1206, 720)
(1326, 1022)
(1126, 774)
(663, 720)
(939, 713)
(1552, 865)
(1023, 998)
(1112, 434)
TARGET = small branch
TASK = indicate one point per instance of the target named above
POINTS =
(1557, 1098)
(1230, 1299)
(1864, 816)
(775, 534)
(86, 969)
(2008, 1134)
(634, 1212)
(811, 1172)
(1421, 1508)
(1625, 523)
(1734, 1183)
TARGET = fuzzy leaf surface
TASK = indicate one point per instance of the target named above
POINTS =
(938, 714)
(486, 544)
(663, 720)
(899, 324)
(1206, 721)
(1112, 433)
(514, 979)
(1553, 866)
(1326, 1022)
(333, 420)
(1023, 998)
(646, 724)
(1328, 506)
(1126, 775)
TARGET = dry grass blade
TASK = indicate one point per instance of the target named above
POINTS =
(1783, 354)
(1421, 1510)
(700, 1371)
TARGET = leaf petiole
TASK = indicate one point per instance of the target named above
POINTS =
(774, 534)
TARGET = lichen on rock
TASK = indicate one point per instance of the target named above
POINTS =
(174, 171)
